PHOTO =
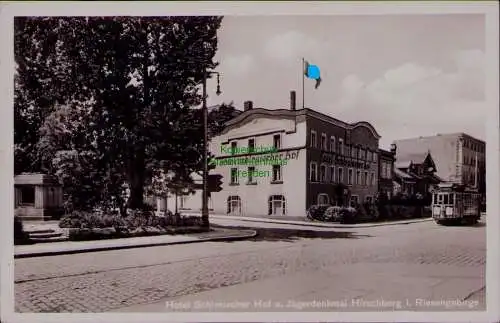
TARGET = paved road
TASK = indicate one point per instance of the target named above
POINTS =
(390, 261)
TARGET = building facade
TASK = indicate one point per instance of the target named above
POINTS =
(386, 172)
(459, 158)
(280, 162)
(415, 174)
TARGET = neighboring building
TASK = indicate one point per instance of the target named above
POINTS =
(414, 173)
(459, 158)
(320, 152)
(386, 172)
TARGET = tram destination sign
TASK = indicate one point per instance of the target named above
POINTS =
(343, 161)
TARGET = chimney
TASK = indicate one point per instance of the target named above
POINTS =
(393, 149)
(247, 105)
(292, 100)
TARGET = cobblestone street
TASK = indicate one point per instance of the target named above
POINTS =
(450, 257)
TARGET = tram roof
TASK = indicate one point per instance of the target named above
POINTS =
(455, 187)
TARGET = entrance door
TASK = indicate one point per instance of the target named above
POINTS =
(277, 208)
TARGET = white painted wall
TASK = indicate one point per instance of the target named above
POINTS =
(254, 198)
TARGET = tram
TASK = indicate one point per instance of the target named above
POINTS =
(455, 203)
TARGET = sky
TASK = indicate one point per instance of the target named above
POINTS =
(408, 75)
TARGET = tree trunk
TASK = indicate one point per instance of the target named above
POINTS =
(136, 172)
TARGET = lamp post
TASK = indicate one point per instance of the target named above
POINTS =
(204, 202)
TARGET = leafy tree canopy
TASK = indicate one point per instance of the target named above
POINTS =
(103, 101)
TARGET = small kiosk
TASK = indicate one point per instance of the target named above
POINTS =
(37, 197)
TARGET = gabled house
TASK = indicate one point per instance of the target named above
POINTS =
(415, 174)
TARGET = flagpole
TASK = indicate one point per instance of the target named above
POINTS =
(303, 82)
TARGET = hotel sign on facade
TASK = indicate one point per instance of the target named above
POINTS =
(343, 161)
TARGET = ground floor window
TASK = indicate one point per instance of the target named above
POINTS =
(323, 199)
(234, 205)
(183, 200)
(27, 195)
(354, 200)
(277, 205)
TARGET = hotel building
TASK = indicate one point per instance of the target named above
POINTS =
(317, 153)
(459, 158)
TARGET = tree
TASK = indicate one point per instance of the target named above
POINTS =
(139, 80)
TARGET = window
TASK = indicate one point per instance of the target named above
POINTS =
(355, 152)
(354, 200)
(359, 150)
(332, 144)
(276, 173)
(341, 146)
(374, 155)
(332, 174)
(277, 205)
(365, 179)
(388, 170)
(372, 179)
(313, 139)
(322, 172)
(234, 205)
(358, 177)
(183, 200)
(277, 141)
(350, 178)
(323, 141)
(341, 175)
(382, 170)
(323, 199)
(234, 175)
(27, 195)
(251, 145)
(251, 170)
(313, 170)
(347, 150)
(369, 156)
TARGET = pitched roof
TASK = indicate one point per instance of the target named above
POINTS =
(416, 158)
(404, 175)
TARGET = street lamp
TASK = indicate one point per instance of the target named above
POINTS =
(204, 203)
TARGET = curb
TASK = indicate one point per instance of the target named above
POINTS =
(249, 234)
(324, 225)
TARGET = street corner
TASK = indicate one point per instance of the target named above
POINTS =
(71, 247)
(226, 234)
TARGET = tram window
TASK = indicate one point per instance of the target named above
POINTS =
(440, 198)
(451, 199)
(445, 196)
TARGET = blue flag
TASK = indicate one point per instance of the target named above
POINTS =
(312, 72)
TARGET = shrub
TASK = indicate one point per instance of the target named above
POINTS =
(333, 213)
(20, 236)
(135, 220)
(348, 215)
(317, 212)
(363, 211)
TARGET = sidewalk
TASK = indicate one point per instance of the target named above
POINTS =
(71, 247)
(318, 224)
(357, 287)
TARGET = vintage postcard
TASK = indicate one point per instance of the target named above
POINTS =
(253, 162)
